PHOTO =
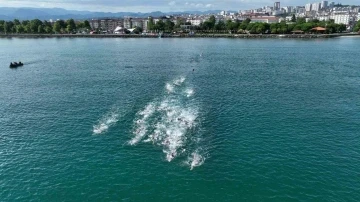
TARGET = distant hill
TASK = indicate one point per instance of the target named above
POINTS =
(7, 13)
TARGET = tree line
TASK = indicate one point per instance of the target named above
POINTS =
(247, 26)
(37, 26)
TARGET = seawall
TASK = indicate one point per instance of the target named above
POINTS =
(198, 35)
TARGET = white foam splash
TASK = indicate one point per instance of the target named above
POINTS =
(169, 87)
(141, 127)
(105, 122)
(189, 92)
(179, 81)
(172, 123)
(195, 160)
(170, 131)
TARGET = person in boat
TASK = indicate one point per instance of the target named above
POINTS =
(15, 63)
(20, 63)
(11, 64)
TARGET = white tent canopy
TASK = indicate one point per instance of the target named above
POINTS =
(119, 29)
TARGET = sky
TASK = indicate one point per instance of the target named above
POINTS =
(155, 5)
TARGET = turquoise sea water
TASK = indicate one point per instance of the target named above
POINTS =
(180, 120)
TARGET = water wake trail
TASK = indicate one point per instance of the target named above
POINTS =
(171, 122)
(142, 124)
(34, 62)
(106, 121)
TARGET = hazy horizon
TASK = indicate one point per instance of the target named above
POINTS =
(151, 6)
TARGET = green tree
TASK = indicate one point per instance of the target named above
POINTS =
(230, 25)
(341, 28)
(20, 29)
(331, 28)
(57, 27)
(160, 25)
(306, 27)
(283, 27)
(9, 27)
(87, 25)
(6, 27)
(300, 20)
(137, 30)
(212, 21)
(357, 27)
(62, 24)
(26, 25)
(80, 25)
(40, 29)
(70, 25)
(48, 29)
(169, 25)
(273, 28)
(250, 27)
(315, 21)
(179, 22)
(151, 24)
(291, 27)
(2, 25)
(25, 22)
(34, 25)
(261, 28)
(16, 22)
(244, 24)
(220, 25)
(293, 18)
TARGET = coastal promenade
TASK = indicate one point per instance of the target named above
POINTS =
(198, 35)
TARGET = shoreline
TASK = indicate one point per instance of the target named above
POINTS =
(243, 36)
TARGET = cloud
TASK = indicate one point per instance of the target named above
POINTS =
(172, 3)
(209, 5)
(198, 5)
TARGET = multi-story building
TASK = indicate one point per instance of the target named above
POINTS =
(245, 12)
(277, 6)
(315, 6)
(128, 23)
(324, 5)
(356, 10)
(308, 7)
(145, 25)
(94, 24)
(195, 21)
(265, 19)
(287, 9)
(137, 23)
(278, 12)
(109, 25)
(105, 24)
(323, 18)
(300, 10)
(268, 9)
(341, 18)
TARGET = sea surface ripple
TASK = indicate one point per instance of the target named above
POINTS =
(180, 120)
